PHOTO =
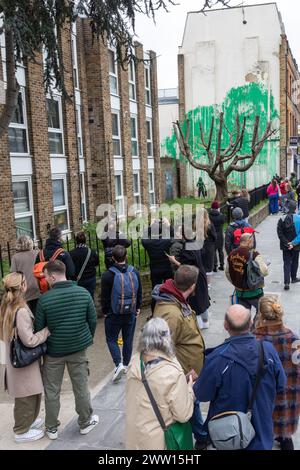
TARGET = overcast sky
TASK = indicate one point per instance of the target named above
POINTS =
(166, 35)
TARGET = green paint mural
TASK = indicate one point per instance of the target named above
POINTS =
(248, 101)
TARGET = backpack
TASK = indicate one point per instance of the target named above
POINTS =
(238, 232)
(38, 269)
(255, 279)
(124, 291)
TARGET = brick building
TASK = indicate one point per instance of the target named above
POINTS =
(61, 158)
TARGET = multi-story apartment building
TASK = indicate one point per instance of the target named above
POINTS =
(62, 158)
(234, 60)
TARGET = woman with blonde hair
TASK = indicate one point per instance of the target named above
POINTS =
(167, 382)
(24, 261)
(270, 327)
(23, 384)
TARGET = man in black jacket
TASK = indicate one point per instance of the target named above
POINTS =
(218, 220)
(54, 243)
(124, 322)
(287, 233)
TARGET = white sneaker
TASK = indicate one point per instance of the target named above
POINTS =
(125, 369)
(93, 422)
(37, 424)
(31, 435)
(120, 370)
(205, 325)
(52, 434)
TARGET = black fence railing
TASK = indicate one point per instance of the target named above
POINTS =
(137, 255)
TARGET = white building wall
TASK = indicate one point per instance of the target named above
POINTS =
(168, 113)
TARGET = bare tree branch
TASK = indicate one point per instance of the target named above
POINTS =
(185, 148)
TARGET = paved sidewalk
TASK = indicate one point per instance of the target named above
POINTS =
(109, 398)
(109, 402)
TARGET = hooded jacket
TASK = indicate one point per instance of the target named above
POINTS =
(229, 237)
(174, 399)
(182, 321)
(227, 381)
(218, 220)
(286, 232)
(50, 248)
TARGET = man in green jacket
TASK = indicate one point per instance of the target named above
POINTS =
(69, 312)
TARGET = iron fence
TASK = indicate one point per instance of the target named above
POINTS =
(137, 255)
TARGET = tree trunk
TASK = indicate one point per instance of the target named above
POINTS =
(221, 190)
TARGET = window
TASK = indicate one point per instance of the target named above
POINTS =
(113, 72)
(74, 60)
(131, 79)
(151, 189)
(17, 131)
(116, 134)
(119, 195)
(60, 202)
(55, 126)
(134, 140)
(136, 188)
(23, 206)
(148, 85)
(83, 198)
(79, 130)
(149, 138)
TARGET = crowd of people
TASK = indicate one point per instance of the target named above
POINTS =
(49, 297)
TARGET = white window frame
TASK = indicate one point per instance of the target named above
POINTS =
(74, 57)
(120, 198)
(65, 207)
(61, 122)
(30, 213)
(117, 137)
(134, 139)
(148, 87)
(83, 196)
(149, 141)
(24, 126)
(79, 130)
(151, 191)
(113, 74)
(138, 193)
(132, 79)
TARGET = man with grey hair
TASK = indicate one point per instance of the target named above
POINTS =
(229, 373)
(236, 272)
(172, 305)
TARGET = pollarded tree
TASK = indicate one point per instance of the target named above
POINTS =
(221, 162)
(30, 25)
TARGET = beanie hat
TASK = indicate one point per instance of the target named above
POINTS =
(292, 206)
(237, 213)
(215, 205)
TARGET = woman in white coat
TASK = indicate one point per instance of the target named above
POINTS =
(168, 384)
(25, 384)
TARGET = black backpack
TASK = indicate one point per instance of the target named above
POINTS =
(255, 279)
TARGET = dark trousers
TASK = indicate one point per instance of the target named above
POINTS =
(113, 325)
(274, 204)
(26, 411)
(197, 424)
(249, 303)
(89, 285)
(290, 265)
(220, 252)
(159, 277)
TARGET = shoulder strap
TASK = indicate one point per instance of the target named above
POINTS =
(114, 270)
(56, 254)
(259, 374)
(41, 256)
(151, 397)
(84, 264)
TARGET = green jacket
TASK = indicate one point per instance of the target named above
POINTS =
(69, 312)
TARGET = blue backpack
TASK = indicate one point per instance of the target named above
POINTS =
(124, 291)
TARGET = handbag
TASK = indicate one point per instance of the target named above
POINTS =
(21, 355)
(233, 430)
(178, 436)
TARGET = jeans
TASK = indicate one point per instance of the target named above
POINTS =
(197, 423)
(113, 325)
(89, 285)
(273, 204)
(290, 265)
